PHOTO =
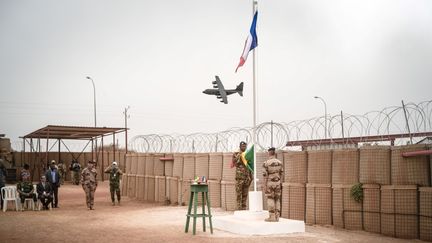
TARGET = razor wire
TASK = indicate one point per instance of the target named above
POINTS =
(385, 122)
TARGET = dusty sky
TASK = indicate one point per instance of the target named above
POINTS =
(158, 56)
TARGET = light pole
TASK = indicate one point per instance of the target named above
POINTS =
(325, 115)
(94, 99)
(126, 116)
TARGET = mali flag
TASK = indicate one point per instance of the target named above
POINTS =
(248, 158)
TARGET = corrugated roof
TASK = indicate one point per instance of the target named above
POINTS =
(72, 132)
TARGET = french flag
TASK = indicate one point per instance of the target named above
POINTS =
(251, 41)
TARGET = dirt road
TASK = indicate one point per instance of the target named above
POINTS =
(136, 221)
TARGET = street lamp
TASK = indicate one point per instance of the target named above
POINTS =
(94, 99)
(325, 115)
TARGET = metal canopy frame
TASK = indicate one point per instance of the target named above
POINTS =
(60, 133)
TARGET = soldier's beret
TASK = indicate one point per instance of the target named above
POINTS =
(271, 149)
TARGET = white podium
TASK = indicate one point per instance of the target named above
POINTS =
(252, 221)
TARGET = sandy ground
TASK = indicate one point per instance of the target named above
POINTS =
(136, 221)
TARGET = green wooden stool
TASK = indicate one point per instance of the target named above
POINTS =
(195, 190)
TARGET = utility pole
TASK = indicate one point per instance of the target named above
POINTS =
(126, 116)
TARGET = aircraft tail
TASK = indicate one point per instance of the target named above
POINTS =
(239, 89)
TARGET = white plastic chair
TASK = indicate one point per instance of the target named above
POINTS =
(38, 203)
(9, 193)
(29, 200)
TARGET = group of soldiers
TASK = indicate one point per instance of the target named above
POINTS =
(47, 189)
(272, 186)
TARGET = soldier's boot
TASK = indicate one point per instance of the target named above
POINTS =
(277, 215)
(271, 218)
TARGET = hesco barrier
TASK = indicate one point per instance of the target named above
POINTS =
(188, 166)
(173, 190)
(214, 187)
(140, 187)
(345, 166)
(131, 185)
(228, 173)
(202, 165)
(124, 185)
(228, 195)
(347, 213)
(149, 186)
(134, 164)
(425, 213)
(160, 188)
(141, 164)
(128, 163)
(319, 166)
(399, 211)
(158, 165)
(371, 208)
(169, 166)
(178, 165)
(215, 166)
(293, 204)
(318, 204)
(295, 166)
(410, 170)
(261, 157)
(375, 165)
(149, 164)
(184, 192)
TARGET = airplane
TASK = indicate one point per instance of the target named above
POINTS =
(221, 92)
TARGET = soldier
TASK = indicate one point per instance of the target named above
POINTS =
(243, 177)
(75, 168)
(62, 171)
(89, 183)
(115, 174)
(273, 185)
(25, 189)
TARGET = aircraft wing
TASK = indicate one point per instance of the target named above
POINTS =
(222, 90)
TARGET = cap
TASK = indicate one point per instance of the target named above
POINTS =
(243, 143)
(114, 163)
(52, 161)
(92, 162)
(271, 149)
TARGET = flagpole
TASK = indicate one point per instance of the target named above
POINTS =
(254, 8)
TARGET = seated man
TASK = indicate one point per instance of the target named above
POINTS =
(25, 189)
(45, 192)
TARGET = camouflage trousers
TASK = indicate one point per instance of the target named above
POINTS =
(242, 190)
(89, 190)
(75, 177)
(273, 194)
(115, 189)
(62, 177)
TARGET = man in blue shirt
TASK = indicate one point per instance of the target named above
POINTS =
(53, 177)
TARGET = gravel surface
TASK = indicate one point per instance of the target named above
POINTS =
(136, 221)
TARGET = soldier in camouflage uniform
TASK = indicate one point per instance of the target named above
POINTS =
(243, 177)
(272, 173)
(89, 183)
(115, 174)
(25, 189)
(75, 168)
(61, 167)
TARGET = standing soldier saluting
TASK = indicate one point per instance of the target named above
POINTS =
(89, 183)
(243, 177)
(272, 173)
(115, 174)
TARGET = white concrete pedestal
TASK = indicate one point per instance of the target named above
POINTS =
(252, 222)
